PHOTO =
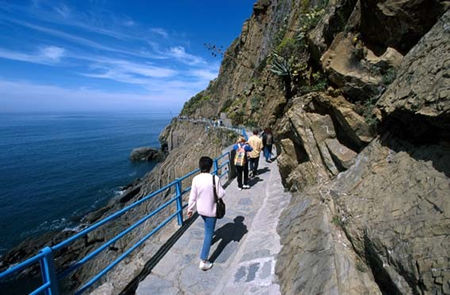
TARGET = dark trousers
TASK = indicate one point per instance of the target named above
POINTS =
(254, 165)
(242, 170)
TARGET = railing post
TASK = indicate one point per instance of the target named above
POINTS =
(244, 134)
(48, 271)
(179, 202)
(215, 167)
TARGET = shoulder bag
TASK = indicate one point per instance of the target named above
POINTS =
(220, 205)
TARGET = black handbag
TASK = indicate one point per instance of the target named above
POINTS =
(220, 205)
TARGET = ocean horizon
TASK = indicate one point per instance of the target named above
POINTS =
(55, 167)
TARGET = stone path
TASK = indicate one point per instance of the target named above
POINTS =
(245, 245)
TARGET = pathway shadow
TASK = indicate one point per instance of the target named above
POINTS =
(131, 288)
(254, 180)
(263, 170)
(227, 233)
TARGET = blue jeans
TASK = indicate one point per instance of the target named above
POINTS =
(210, 224)
(267, 152)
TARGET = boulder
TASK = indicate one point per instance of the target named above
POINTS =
(342, 155)
(146, 154)
(356, 69)
(310, 149)
(353, 130)
(397, 24)
(333, 21)
(417, 104)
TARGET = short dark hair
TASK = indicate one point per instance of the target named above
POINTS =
(205, 164)
(255, 131)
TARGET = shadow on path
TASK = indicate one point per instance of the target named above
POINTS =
(254, 180)
(263, 170)
(151, 263)
(227, 233)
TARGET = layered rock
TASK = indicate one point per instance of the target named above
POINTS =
(417, 103)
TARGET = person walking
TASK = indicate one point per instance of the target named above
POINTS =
(267, 140)
(240, 161)
(257, 145)
(202, 196)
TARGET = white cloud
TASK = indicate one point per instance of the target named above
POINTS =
(52, 52)
(206, 74)
(125, 71)
(129, 23)
(180, 53)
(46, 55)
(24, 96)
(160, 31)
(62, 10)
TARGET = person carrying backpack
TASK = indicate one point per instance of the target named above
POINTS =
(257, 145)
(241, 161)
(267, 139)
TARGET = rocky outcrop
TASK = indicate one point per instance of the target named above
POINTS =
(360, 112)
(398, 24)
(380, 225)
(417, 103)
(311, 150)
(395, 211)
(146, 153)
(355, 69)
(391, 208)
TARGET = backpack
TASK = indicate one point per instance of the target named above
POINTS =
(240, 158)
(269, 139)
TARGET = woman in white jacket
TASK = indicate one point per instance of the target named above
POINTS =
(202, 195)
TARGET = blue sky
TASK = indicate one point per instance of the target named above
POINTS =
(99, 55)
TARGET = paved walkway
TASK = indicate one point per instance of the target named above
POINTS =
(245, 245)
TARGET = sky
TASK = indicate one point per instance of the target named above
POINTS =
(111, 55)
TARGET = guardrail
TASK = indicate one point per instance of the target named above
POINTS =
(50, 276)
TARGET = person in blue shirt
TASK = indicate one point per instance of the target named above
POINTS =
(241, 161)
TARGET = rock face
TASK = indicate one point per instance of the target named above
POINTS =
(398, 24)
(362, 135)
(419, 99)
(394, 209)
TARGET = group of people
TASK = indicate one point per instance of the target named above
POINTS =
(247, 154)
(206, 187)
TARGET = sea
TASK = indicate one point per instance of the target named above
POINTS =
(55, 168)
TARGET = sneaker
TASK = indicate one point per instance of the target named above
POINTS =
(246, 186)
(205, 265)
(240, 188)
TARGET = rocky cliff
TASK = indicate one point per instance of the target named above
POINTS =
(357, 92)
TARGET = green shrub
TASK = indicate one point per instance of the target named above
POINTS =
(195, 102)
(255, 103)
(280, 65)
(287, 47)
(389, 76)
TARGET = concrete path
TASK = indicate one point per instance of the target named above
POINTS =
(245, 246)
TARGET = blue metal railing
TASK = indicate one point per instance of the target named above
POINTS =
(45, 258)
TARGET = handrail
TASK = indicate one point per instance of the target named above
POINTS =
(45, 256)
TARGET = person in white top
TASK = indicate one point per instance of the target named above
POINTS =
(202, 196)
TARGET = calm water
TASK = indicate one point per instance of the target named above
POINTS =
(54, 168)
